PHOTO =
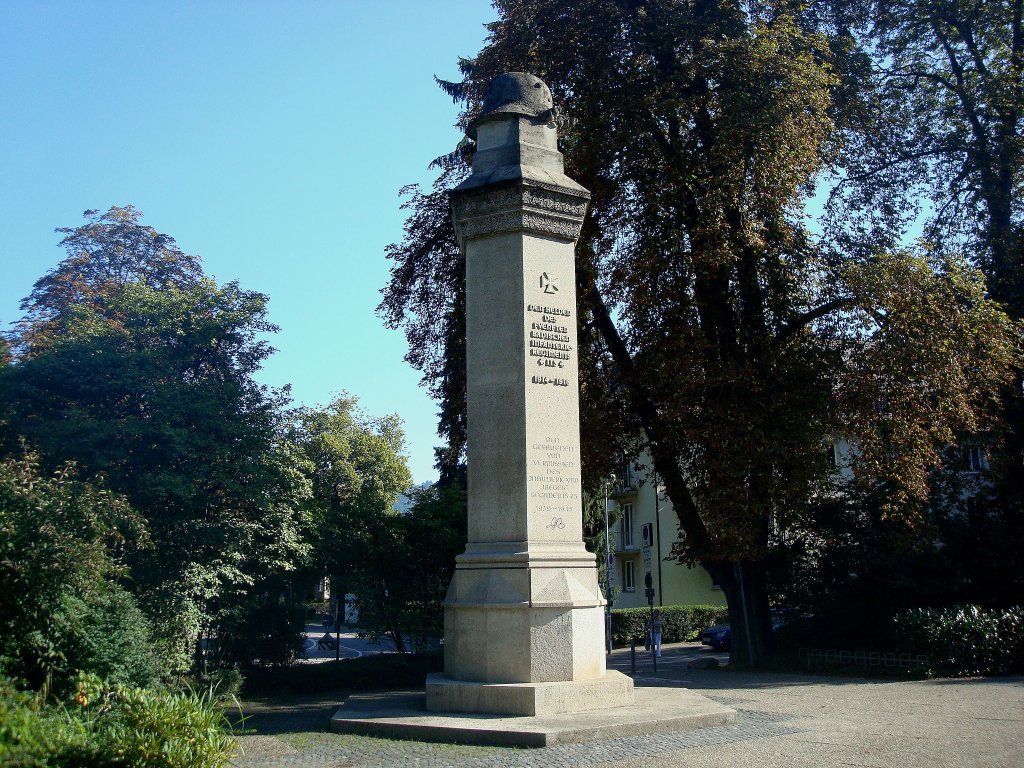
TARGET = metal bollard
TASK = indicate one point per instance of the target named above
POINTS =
(632, 656)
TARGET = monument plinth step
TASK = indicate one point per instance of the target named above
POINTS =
(404, 716)
(612, 689)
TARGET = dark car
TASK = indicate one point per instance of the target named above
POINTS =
(719, 636)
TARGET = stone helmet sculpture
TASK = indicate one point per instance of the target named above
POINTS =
(519, 93)
(515, 93)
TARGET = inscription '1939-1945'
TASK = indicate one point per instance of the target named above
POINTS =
(550, 342)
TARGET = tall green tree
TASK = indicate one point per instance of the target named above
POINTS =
(111, 251)
(714, 324)
(424, 542)
(357, 469)
(137, 367)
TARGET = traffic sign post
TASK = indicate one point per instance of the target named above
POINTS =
(647, 537)
(649, 591)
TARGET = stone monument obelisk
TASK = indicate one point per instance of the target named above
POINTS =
(524, 626)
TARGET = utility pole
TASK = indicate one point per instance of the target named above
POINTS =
(609, 563)
(657, 537)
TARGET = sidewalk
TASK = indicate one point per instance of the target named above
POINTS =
(785, 721)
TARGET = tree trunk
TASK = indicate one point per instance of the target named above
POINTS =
(745, 586)
(396, 636)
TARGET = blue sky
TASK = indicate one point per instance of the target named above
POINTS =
(271, 138)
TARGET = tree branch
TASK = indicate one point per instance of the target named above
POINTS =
(791, 328)
(665, 462)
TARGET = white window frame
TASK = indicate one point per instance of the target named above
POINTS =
(976, 459)
(627, 526)
(628, 576)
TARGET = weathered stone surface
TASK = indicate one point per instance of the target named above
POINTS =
(524, 608)
(518, 150)
(612, 689)
(655, 710)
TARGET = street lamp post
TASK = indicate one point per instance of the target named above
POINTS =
(608, 564)
(657, 539)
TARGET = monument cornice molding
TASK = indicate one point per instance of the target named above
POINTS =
(546, 209)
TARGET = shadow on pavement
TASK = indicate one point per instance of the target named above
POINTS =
(288, 714)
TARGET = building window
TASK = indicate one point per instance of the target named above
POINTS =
(627, 526)
(714, 581)
(628, 582)
(976, 460)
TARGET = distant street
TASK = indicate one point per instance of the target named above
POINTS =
(351, 646)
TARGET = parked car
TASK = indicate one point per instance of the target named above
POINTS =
(719, 636)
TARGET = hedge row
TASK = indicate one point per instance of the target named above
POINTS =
(387, 671)
(683, 623)
(965, 640)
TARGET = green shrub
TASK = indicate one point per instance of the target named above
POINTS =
(258, 631)
(315, 609)
(61, 541)
(104, 726)
(965, 640)
(107, 635)
(146, 727)
(36, 736)
(683, 623)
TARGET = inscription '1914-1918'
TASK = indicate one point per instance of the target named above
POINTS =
(550, 342)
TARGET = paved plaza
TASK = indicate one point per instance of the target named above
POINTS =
(789, 721)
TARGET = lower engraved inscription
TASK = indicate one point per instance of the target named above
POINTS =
(554, 478)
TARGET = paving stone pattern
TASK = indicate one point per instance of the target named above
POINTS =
(343, 750)
(789, 721)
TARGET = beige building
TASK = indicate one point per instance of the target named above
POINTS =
(643, 513)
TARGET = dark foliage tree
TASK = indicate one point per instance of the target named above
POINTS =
(113, 250)
(936, 132)
(710, 320)
(941, 117)
(425, 542)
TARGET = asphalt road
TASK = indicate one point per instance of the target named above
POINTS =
(351, 646)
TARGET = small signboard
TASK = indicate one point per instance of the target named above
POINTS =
(647, 537)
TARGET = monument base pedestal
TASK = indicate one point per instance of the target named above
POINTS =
(612, 689)
(397, 715)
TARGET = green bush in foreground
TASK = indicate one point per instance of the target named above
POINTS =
(104, 725)
(965, 640)
(683, 623)
(62, 542)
